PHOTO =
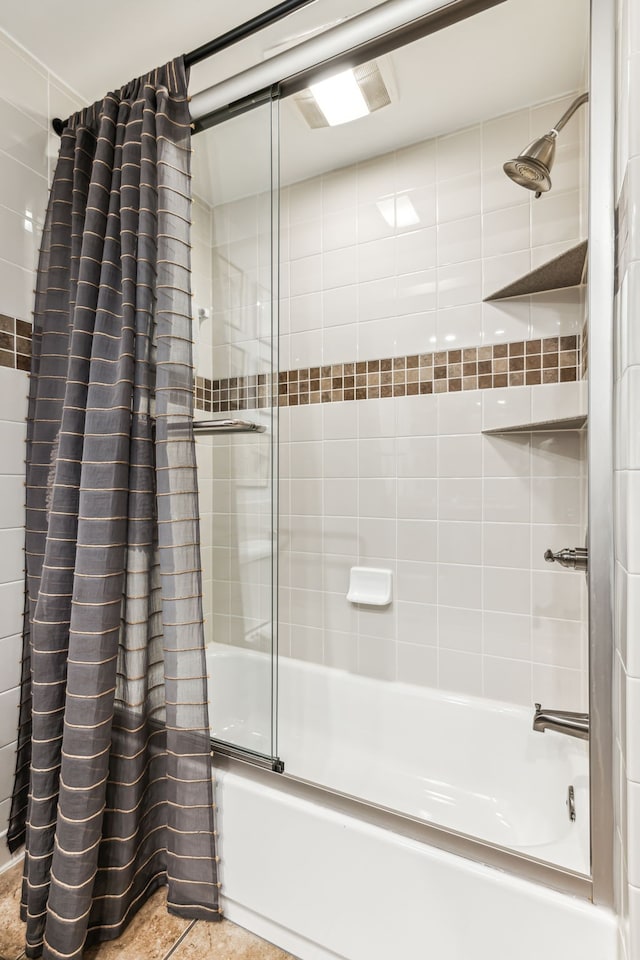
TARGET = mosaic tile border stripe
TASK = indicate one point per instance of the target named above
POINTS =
(524, 362)
(547, 360)
(15, 343)
(236, 393)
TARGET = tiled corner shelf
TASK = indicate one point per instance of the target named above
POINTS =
(541, 408)
(565, 270)
(541, 426)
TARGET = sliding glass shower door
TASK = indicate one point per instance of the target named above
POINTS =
(371, 301)
(433, 447)
(235, 306)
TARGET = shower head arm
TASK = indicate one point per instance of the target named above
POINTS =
(532, 167)
(566, 116)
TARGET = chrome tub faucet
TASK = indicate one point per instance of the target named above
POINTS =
(562, 721)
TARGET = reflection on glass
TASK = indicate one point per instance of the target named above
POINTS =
(232, 270)
(396, 227)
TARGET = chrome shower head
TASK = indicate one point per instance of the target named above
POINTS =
(532, 167)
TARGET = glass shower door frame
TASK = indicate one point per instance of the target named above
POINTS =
(267, 99)
(601, 288)
(598, 887)
(277, 765)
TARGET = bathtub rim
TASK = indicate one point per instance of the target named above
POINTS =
(263, 770)
(271, 771)
(509, 712)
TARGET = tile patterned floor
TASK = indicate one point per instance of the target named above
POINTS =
(153, 934)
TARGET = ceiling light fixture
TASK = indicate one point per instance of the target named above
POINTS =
(348, 95)
(340, 98)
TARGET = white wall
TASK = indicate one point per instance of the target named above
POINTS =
(627, 477)
(29, 96)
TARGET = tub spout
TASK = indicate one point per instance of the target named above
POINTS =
(562, 721)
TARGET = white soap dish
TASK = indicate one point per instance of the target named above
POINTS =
(370, 585)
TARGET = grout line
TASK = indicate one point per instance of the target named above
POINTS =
(36, 173)
(180, 939)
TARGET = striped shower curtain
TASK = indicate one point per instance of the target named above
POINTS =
(113, 791)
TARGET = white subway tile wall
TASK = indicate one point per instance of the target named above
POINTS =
(29, 96)
(232, 332)
(391, 258)
(462, 520)
(627, 483)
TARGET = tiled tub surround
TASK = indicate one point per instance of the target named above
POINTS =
(461, 519)
(391, 259)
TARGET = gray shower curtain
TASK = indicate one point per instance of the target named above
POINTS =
(113, 791)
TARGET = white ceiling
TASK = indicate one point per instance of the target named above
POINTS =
(498, 61)
(95, 48)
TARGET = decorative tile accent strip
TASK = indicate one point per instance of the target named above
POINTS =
(236, 393)
(548, 360)
(15, 343)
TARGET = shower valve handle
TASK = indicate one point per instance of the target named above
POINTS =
(575, 558)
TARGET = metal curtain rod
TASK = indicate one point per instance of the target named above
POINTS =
(376, 31)
(225, 40)
(372, 33)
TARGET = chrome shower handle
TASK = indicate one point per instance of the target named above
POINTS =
(575, 558)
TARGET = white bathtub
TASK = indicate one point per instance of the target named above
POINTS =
(465, 763)
(322, 884)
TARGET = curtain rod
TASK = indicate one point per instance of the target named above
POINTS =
(225, 40)
(372, 33)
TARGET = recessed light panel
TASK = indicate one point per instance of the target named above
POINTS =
(347, 96)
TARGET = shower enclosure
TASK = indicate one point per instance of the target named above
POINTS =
(393, 349)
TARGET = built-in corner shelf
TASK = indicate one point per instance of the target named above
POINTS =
(541, 426)
(565, 270)
(540, 408)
